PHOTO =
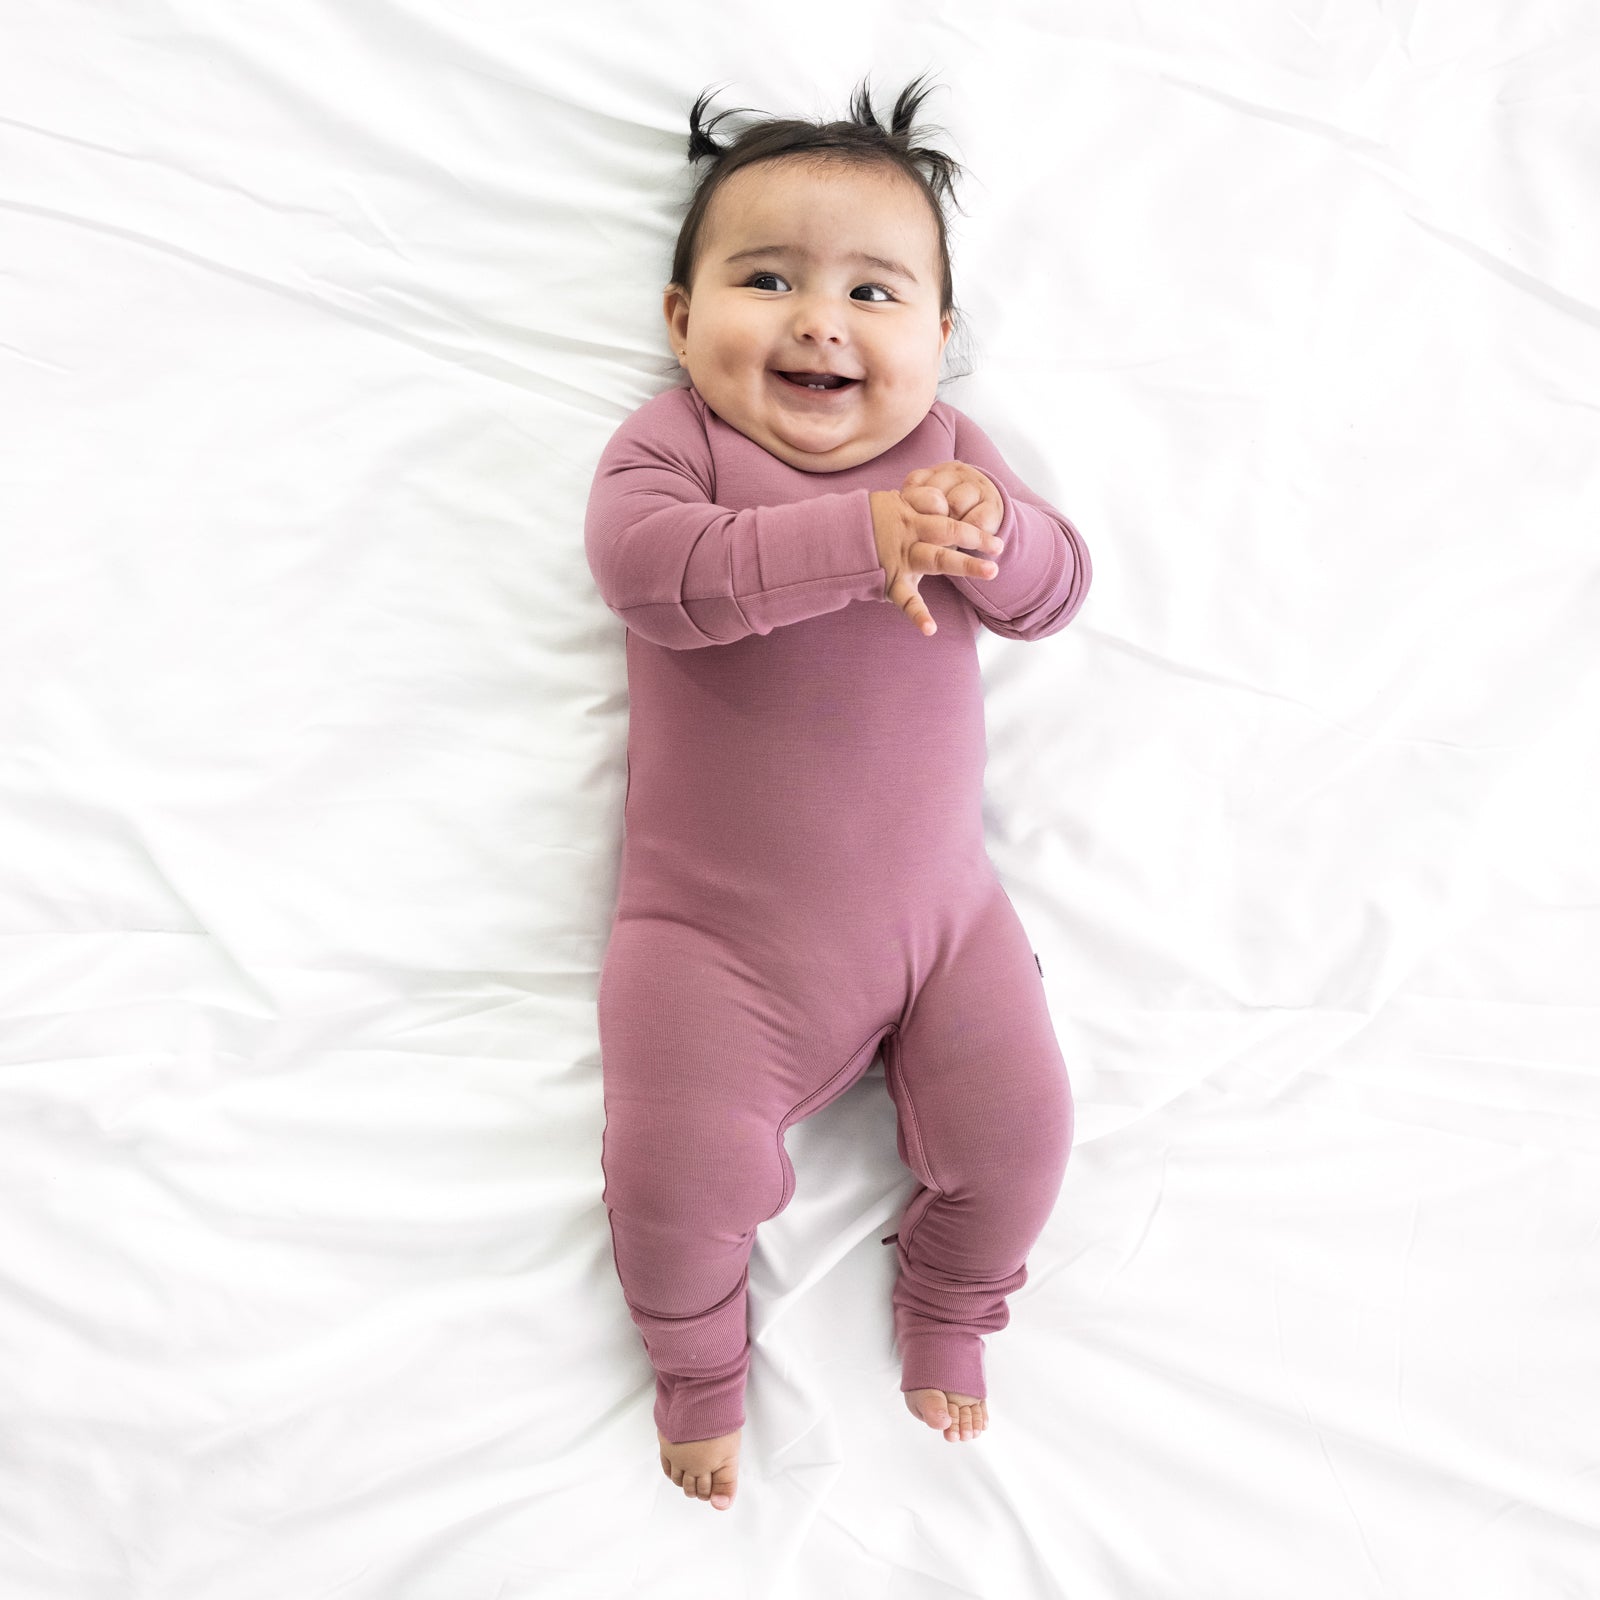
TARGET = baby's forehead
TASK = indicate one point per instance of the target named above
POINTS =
(785, 187)
(884, 216)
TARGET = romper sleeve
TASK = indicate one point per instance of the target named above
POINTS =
(684, 572)
(1044, 569)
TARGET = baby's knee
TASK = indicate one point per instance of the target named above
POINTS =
(720, 1182)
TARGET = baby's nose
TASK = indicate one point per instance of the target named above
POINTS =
(819, 320)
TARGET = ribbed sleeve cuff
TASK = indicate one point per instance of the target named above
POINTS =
(826, 537)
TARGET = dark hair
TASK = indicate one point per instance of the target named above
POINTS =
(860, 141)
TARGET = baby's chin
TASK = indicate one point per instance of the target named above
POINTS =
(838, 458)
(810, 455)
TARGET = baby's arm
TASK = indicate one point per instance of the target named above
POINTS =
(1044, 570)
(684, 572)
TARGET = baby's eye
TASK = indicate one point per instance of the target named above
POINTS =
(754, 282)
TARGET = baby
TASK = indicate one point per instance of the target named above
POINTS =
(804, 876)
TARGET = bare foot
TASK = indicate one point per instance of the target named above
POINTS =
(708, 1469)
(961, 1416)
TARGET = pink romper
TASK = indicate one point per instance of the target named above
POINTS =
(803, 879)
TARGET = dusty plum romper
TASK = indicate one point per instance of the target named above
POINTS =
(803, 879)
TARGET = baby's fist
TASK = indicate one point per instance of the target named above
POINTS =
(966, 494)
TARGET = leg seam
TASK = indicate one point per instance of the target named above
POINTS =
(918, 1148)
(868, 1049)
(911, 1114)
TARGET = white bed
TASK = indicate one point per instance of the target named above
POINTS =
(314, 320)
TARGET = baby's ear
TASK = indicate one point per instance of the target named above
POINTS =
(672, 299)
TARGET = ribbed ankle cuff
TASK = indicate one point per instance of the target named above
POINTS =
(688, 1409)
(952, 1362)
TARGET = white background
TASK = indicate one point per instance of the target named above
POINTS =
(314, 320)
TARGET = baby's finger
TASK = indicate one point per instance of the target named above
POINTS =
(926, 499)
(968, 532)
(977, 504)
(953, 531)
(903, 592)
(953, 563)
(962, 497)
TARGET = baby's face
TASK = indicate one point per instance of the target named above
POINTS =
(802, 300)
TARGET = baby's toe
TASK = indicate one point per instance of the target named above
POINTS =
(930, 1405)
(969, 1417)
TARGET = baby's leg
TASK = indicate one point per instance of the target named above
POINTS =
(703, 1067)
(985, 1123)
(690, 1169)
(684, 1189)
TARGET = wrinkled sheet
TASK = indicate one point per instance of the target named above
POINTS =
(313, 322)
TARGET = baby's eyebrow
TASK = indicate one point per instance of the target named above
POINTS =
(893, 268)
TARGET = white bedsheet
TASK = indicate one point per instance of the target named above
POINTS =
(313, 322)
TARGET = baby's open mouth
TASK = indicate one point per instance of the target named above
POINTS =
(817, 380)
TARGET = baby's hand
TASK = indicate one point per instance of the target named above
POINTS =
(916, 534)
(963, 491)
